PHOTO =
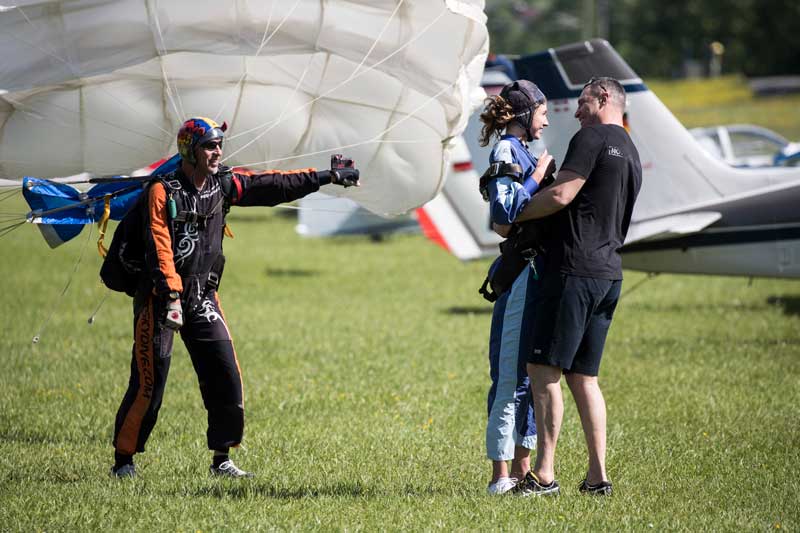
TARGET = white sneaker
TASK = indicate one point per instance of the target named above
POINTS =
(228, 469)
(501, 486)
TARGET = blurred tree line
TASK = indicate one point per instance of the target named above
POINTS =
(659, 39)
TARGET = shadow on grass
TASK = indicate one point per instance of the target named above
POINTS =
(254, 217)
(694, 306)
(251, 489)
(789, 304)
(468, 310)
(291, 272)
(20, 436)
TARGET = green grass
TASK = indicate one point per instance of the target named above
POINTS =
(728, 100)
(365, 377)
(365, 373)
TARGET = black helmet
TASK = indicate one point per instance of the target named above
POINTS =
(524, 96)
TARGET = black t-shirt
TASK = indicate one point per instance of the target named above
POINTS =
(588, 233)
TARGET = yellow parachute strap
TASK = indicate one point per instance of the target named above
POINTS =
(102, 224)
(228, 232)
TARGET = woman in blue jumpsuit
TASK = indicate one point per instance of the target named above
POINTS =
(517, 116)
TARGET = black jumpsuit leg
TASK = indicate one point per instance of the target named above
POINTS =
(152, 348)
(210, 346)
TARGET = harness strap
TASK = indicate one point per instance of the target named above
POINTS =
(102, 224)
(496, 170)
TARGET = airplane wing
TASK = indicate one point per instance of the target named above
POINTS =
(671, 226)
(768, 207)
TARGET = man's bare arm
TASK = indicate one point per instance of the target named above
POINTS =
(501, 229)
(553, 198)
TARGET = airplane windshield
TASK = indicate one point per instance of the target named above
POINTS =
(584, 60)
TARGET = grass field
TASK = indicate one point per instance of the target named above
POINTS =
(729, 100)
(365, 373)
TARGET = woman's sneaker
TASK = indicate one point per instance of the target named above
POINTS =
(228, 469)
(530, 486)
(501, 486)
(601, 489)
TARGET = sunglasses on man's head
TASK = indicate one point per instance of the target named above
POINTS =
(211, 145)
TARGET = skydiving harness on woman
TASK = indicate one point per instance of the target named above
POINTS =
(525, 241)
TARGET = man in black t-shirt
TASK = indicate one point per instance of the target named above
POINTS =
(591, 204)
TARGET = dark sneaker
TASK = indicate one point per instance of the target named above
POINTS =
(530, 486)
(230, 470)
(601, 489)
(123, 472)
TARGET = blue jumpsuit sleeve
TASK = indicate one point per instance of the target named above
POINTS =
(507, 198)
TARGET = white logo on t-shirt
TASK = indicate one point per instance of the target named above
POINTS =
(616, 152)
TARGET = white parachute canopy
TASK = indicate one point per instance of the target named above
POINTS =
(103, 86)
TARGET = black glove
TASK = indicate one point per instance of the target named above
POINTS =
(346, 177)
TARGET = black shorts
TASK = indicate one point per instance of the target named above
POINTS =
(573, 315)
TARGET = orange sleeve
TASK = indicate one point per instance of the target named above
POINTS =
(159, 232)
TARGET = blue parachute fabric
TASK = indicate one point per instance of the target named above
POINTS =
(43, 196)
(170, 165)
(124, 195)
(50, 202)
(125, 191)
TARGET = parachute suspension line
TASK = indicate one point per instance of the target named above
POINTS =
(375, 139)
(5, 230)
(340, 148)
(323, 210)
(353, 75)
(72, 69)
(278, 27)
(162, 53)
(377, 39)
(50, 53)
(97, 309)
(264, 40)
(414, 112)
(11, 193)
(18, 105)
(54, 307)
(102, 224)
(272, 124)
(283, 111)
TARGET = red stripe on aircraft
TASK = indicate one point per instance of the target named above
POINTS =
(429, 229)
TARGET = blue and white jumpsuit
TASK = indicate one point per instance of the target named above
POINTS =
(511, 419)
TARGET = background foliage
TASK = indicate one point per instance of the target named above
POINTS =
(658, 38)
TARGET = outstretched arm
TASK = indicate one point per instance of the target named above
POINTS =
(553, 198)
(273, 187)
(276, 187)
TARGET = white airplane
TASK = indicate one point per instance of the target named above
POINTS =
(694, 214)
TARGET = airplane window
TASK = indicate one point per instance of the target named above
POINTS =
(747, 144)
(580, 64)
(711, 145)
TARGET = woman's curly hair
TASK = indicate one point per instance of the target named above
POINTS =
(497, 113)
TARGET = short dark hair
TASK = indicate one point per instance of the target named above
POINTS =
(614, 89)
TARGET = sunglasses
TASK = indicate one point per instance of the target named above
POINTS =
(211, 145)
